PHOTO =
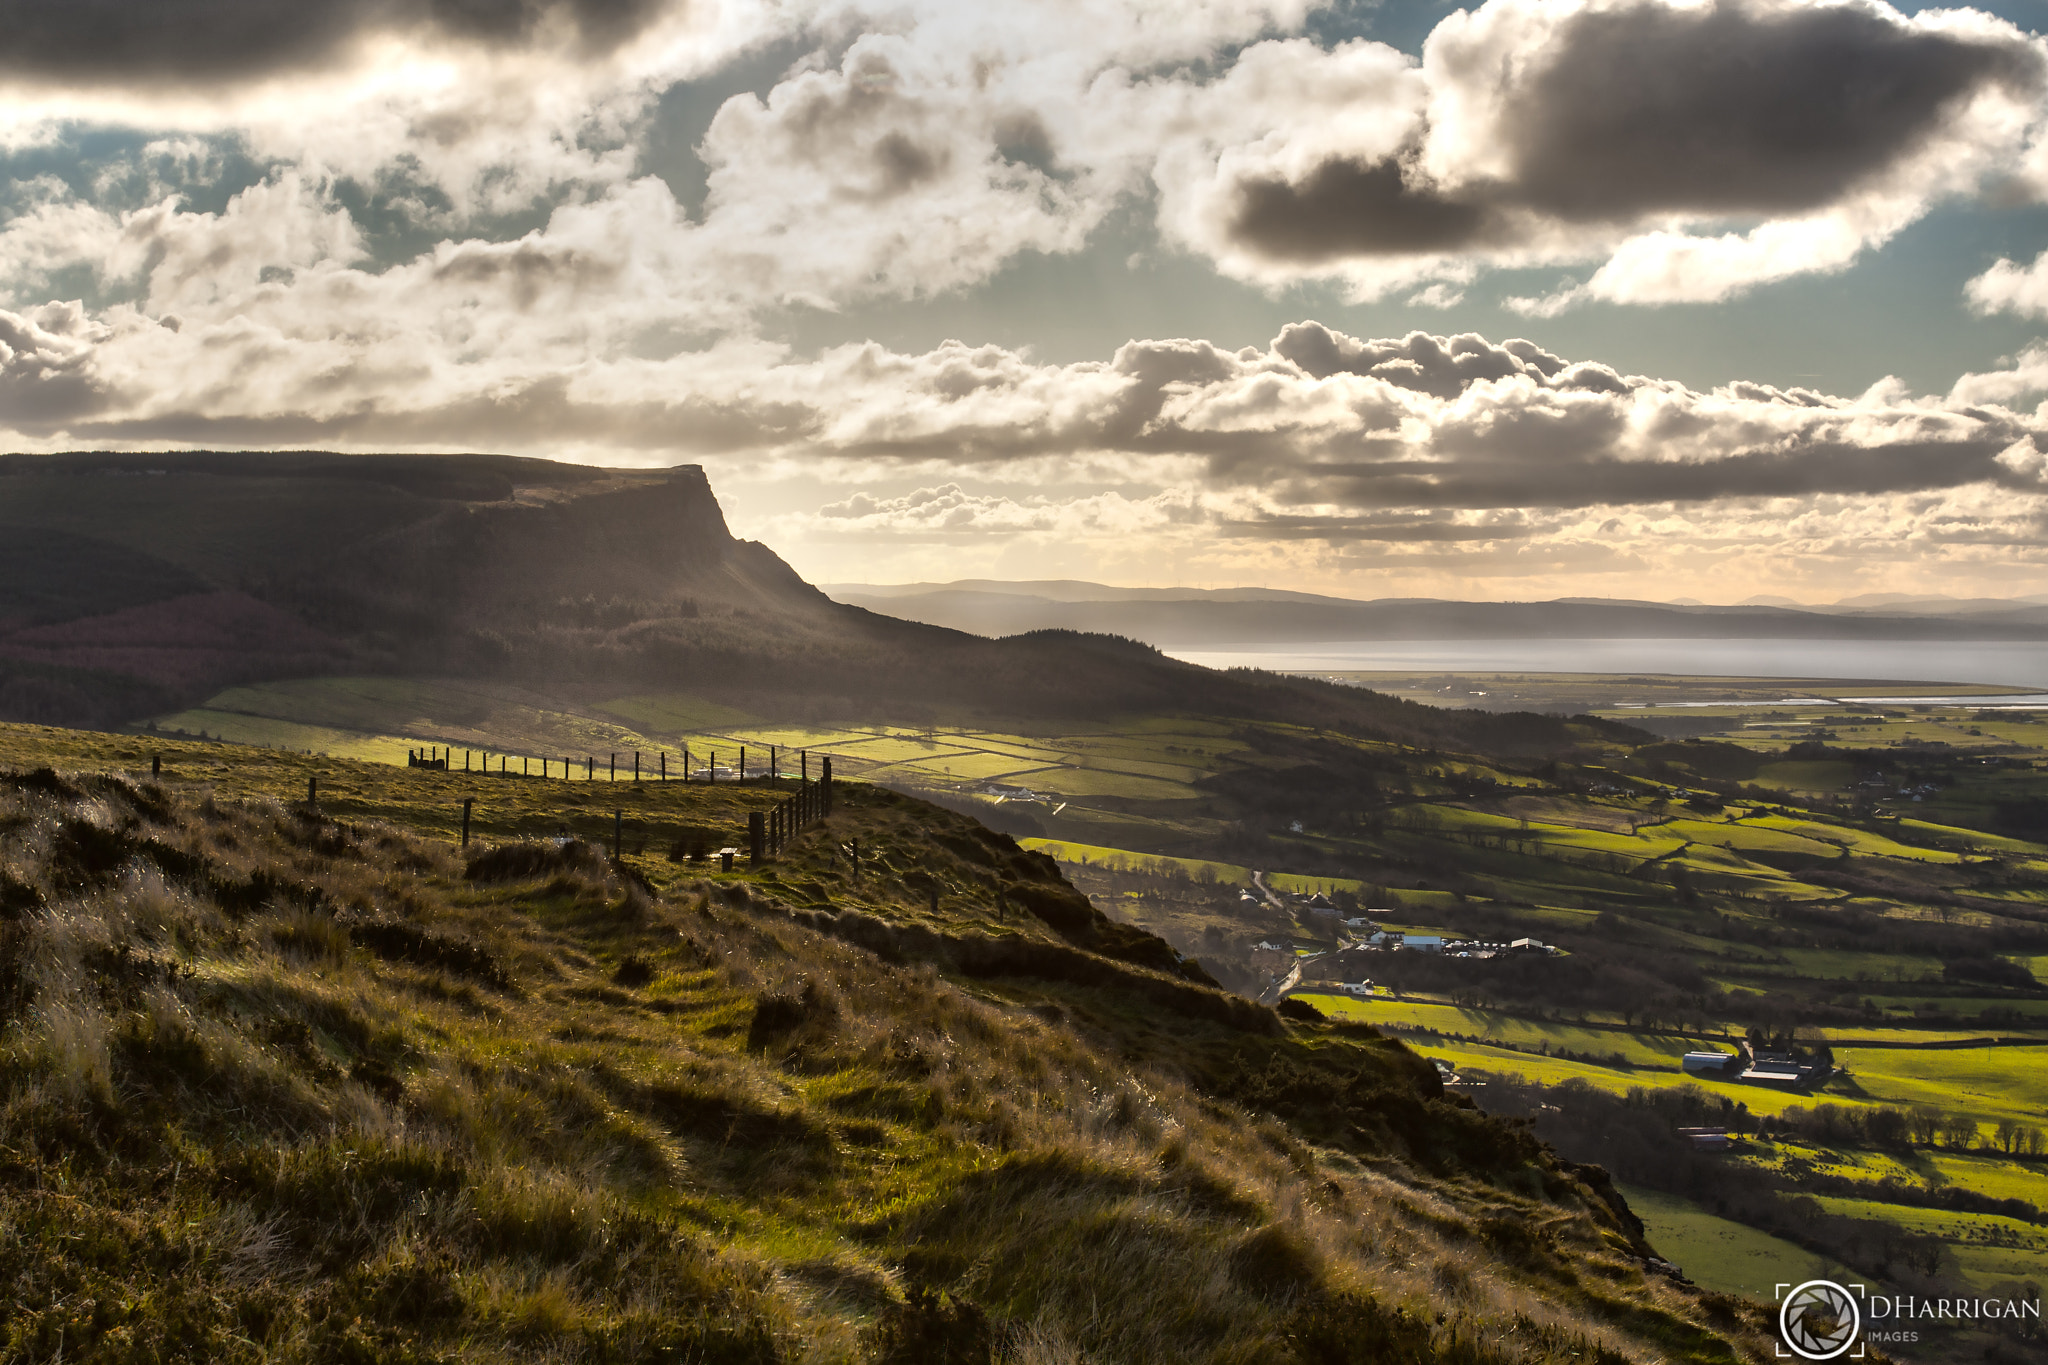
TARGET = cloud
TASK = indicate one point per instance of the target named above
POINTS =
(1537, 131)
(193, 42)
(2008, 287)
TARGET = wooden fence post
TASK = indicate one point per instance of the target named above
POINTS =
(467, 802)
(615, 767)
(774, 763)
(664, 765)
(636, 767)
(806, 760)
(312, 789)
(825, 784)
(757, 834)
(711, 767)
(156, 765)
(743, 762)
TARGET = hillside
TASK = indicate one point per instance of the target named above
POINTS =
(136, 585)
(295, 1081)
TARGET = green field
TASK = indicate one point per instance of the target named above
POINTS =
(1720, 1255)
(1990, 1083)
(1068, 852)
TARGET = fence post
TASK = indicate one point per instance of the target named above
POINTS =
(312, 789)
(664, 765)
(467, 802)
(743, 762)
(757, 830)
(618, 833)
(615, 767)
(825, 784)
(636, 767)
(156, 765)
(686, 763)
(711, 767)
(774, 763)
(805, 758)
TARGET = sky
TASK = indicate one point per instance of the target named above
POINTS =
(1629, 298)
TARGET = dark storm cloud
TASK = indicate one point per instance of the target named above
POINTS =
(1344, 208)
(1730, 109)
(182, 41)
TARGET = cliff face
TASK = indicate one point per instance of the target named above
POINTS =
(628, 544)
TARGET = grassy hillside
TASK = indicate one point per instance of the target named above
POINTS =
(284, 1081)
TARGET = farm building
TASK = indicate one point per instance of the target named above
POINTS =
(1707, 1063)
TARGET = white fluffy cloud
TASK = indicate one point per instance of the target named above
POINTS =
(2008, 287)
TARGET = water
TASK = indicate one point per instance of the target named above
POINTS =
(2007, 663)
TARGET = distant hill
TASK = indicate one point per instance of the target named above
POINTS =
(1196, 618)
(132, 585)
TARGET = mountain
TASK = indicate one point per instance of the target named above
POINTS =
(1188, 618)
(136, 584)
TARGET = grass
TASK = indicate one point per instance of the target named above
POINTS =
(1197, 868)
(1719, 1254)
(1642, 1049)
(286, 1083)
(1990, 1083)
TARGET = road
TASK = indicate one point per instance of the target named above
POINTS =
(1293, 977)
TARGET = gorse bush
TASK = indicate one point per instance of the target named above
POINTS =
(279, 1087)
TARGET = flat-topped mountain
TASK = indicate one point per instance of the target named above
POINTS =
(131, 585)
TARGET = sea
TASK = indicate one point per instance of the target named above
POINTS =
(2019, 664)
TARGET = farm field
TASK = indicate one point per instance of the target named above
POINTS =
(1719, 1253)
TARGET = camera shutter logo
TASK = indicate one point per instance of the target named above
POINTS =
(1819, 1320)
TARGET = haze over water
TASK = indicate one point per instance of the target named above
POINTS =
(2010, 663)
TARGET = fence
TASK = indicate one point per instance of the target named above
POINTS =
(769, 830)
(709, 771)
